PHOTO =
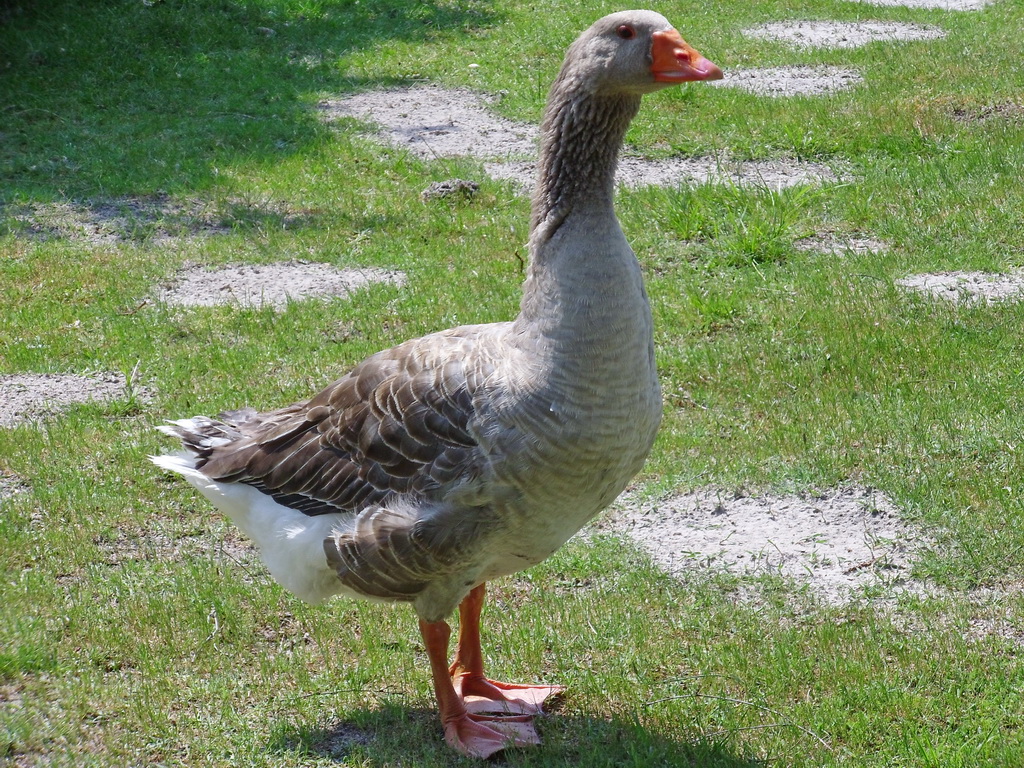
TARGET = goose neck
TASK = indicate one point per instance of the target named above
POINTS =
(580, 139)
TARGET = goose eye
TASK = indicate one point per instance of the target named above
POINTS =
(626, 32)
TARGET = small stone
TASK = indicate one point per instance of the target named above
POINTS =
(449, 187)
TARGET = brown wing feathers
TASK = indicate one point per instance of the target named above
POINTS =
(388, 427)
(381, 556)
(394, 555)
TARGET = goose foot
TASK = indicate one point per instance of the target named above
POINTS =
(481, 737)
(480, 716)
(475, 735)
(480, 695)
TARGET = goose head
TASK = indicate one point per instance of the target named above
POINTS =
(634, 52)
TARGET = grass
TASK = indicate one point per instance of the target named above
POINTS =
(135, 630)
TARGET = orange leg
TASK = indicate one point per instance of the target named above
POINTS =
(473, 735)
(478, 694)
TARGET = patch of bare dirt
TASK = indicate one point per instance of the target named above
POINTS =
(111, 222)
(944, 5)
(984, 614)
(791, 81)
(1005, 627)
(837, 543)
(10, 485)
(271, 285)
(968, 287)
(636, 172)
(12, 695)
(842, 34)
(157, 219)
(334, 743)
(1009, 111)
(433, 122)
(827, 242)
(339, 741)
(32, 397)
(150, 545)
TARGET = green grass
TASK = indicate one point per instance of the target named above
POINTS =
(130, 635)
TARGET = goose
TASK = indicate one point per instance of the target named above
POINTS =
(473, 453)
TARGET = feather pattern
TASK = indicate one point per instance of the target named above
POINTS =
(397, 423)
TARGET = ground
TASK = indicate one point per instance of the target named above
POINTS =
(836, 542)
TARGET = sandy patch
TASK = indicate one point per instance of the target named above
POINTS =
(944, 5)
(968, 287)
(271, 285)
(837, 543)
(840, 246)
(791, 81)
(636, 172)
(842, 34)
(432, 122)
(31, 397)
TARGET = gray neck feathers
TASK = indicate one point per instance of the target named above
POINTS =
(583, 284)
(580, 139)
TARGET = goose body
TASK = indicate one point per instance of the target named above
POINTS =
(513, 462)
(465, 455)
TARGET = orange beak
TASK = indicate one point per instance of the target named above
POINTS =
(676, 62)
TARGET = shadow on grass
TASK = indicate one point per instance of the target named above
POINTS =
(403, 736)
(135, 97)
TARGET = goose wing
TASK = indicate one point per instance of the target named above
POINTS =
(399, 423)
(392, 450)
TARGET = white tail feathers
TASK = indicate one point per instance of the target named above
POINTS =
(291, 544)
